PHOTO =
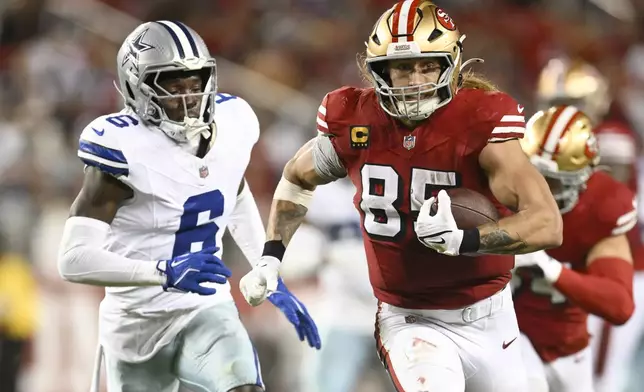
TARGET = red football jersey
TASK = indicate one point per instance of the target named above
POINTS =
(395, 169)
(556, 327)
(618, 143)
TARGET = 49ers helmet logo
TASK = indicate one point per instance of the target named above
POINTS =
(445, 20)
(592, 147)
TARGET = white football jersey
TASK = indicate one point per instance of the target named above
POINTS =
(181, 204)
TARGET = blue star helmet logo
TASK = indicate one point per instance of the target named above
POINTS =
(136, 46)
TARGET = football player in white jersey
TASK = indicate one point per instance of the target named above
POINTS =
(164, 178)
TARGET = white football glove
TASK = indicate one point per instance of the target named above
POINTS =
(261, 281)
(439, 232)
(550, 267)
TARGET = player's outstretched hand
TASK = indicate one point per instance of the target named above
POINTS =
(540, 264)
(439, 232)
(261, 281)
(296, 313)
(187, 272)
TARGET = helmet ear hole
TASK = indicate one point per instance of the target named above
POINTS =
(434, 35)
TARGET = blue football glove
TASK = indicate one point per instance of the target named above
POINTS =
(296, 313)
(185, 273)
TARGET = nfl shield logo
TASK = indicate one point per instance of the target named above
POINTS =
(409, 142)
(203, 171)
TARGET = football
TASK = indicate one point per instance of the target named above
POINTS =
(470, 208)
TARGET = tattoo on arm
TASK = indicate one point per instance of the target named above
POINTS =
(499, 241)
(285, 218)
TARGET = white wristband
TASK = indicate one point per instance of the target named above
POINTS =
(551, 270)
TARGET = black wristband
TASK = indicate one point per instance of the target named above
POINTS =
(275, 249)
(471, 241)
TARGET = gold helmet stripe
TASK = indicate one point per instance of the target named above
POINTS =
(561, 121)
(403, 21)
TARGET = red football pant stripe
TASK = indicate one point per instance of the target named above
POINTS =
(384, 354)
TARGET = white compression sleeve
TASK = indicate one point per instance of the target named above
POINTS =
(246, 226)
(81, 258)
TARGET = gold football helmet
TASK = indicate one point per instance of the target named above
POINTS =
(562, 146)
(573, 82)
(414, 29)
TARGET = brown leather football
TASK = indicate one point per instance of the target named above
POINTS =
(470, 208)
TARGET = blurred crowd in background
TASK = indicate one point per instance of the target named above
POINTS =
(57, 66)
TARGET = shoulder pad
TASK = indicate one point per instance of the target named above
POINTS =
(238, 110)
(614, 127)
(336, 107)
(497, 115)
(100, 146)
(616, 143)
(616, 206)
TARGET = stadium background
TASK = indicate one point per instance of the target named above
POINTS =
(57, 62)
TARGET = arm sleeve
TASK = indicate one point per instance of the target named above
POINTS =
(246, 226)
(326, 161)
(606, 291)
(81, 258)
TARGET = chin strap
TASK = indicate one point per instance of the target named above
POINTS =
(465, 64)
(119, 91)
(471, 61)
(196, 128)
(189, 132)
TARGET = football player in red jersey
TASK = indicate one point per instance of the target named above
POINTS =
(579, 83)
(591, 272)
(444, 323)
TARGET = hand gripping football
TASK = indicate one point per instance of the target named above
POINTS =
(470, 208)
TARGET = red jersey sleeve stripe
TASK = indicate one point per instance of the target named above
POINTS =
(513, 118)
(322, 123)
